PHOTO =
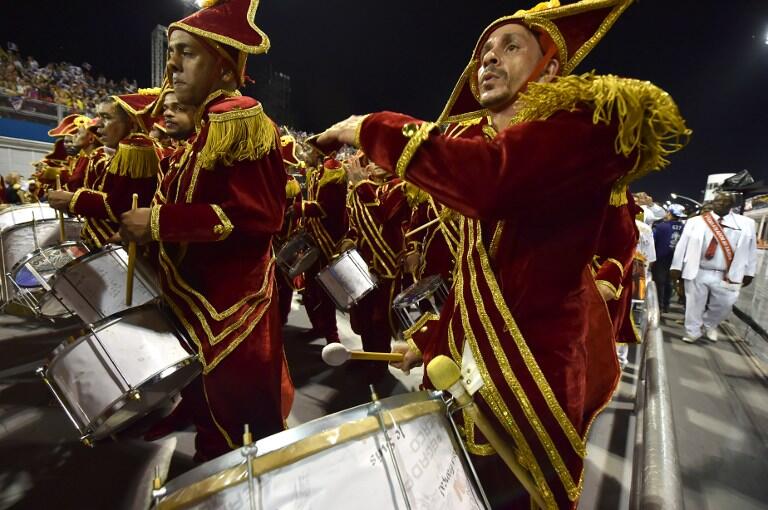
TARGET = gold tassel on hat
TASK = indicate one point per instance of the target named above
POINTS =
(136, 161)
(238, 135)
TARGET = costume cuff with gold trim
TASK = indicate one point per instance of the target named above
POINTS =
(309, 209)
(392, 139)
(366, 193)
(616, 291)
(419, 336)
(189, 223)
(610, 271)
(91, 204)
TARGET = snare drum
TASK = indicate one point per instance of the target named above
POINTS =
(298, 254)
(93, 286)
(26, 229)
(425, 296)
(125, 367)
(342, 461)
(30, 276)
(347, 279)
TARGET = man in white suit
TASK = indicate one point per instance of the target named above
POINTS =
(716, 256)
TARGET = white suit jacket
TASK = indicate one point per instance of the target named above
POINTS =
(696, 232)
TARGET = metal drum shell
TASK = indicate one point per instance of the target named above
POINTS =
(343, 295)
(131, 401)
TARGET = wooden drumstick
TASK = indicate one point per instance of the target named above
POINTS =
(336, 354)
(131, 261)
(422, 227)
(445, 374)
(62, 233)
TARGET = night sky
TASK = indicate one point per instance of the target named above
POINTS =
(347, 57)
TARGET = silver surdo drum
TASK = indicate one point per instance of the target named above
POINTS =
(93, 286)
(120, 370)
(31, 275)
(425, 296)
(298, 254)
(398, 452)
(347, 279)
(25, 229)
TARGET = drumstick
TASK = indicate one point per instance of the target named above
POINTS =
(424, 226)
(336, 354)
(446, 375)
(62, 233)
(131, 261)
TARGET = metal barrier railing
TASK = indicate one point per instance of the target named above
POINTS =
(657, 482)
(23, 108)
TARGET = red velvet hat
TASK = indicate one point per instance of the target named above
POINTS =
(331, 164)
(572, 29)
(139, 106)
(69, 125)
(227, 22)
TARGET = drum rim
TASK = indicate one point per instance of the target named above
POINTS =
(16, 226)
(303, 448)
(291, 436)
(397, 300)
(87, 429)
(29, 256)
(91, 430)
(102, 252)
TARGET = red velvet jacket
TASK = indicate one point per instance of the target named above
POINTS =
(133, 169)
(378, 217)
(523, 297)
(214, 217)
(613, 266)
(324, 212)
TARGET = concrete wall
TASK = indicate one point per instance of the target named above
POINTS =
(17, 155)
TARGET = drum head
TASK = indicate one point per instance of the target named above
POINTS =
(418, 291)
(44, 263)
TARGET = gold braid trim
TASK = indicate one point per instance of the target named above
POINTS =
(238, 135)
(415, 196)
(154, 222)
(417, 135)
(225, 227)
(649, 122)
(135, 162)
(338, 176)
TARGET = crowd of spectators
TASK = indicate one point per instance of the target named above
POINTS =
(62, 83)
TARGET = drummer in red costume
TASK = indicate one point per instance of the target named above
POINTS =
(612, 266)
(86, 142)
(524, 297)
(213, 220)
(293, 166)
(114, 180)
(58, 163)
(324, 215)
(379, 215)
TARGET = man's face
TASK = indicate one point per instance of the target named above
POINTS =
(722, 204)
(194, 71)
(115, 124)
(81, 139)
(69, 145)
(179, 118)
(507, 59)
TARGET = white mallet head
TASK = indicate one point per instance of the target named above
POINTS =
(335, 354)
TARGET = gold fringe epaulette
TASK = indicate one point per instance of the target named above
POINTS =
(237, 135)
(292, 188)
(136, 158)
(337, 176)
(649, 121)
(415, 195)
